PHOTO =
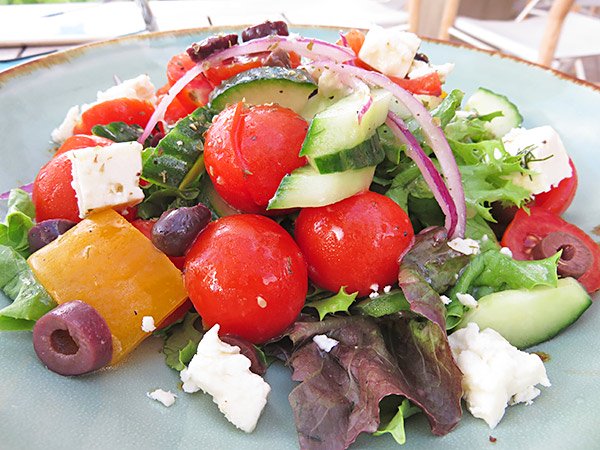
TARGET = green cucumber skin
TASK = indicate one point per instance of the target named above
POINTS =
(365, 154)
(526, 318)
(337, 128)
(306, 188)
(290, 88)
(485, 101)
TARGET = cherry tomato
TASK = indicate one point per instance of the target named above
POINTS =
(357, 242)
(195, 94)
(128, 110)
(559, 198)
(216, 75)
(78, 141)
(429, 84)
(176, 110)
(145, 226)
(53, 195)
(246, 273)
(527, 230)
(176, 315)
(247, 151)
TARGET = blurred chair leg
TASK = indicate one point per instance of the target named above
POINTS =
(147, 15)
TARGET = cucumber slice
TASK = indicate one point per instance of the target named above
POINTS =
(528, 317)
(290, 88)
(337, 128)
(305, 187)
(367, 153)
(484, 101)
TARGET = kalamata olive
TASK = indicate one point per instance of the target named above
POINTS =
(199, 51)
(575, 259)
(257, 365)
(73, 339)
(278, 58)
(176, 229)
(268, 28)
(45, 232)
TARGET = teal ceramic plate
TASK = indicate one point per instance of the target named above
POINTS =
(110, 410)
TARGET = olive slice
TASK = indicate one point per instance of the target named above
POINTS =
(73, 339)
(575, 259)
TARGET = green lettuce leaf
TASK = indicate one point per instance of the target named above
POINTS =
(118, 132)
(18, 222)
(395, 426)
(340, 302)
(30, 299)
(384, 304)
(181, 342)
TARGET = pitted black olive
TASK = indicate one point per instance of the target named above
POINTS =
(177, 229)
(268, 28)
(73, 339)
(278, 58)
(45, 232)
(199, 51)
(575, 259)
(257, 365)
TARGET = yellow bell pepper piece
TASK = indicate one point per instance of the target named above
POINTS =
(106, 262)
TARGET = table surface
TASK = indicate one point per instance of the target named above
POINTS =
(58, 26)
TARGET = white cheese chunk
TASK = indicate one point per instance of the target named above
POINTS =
(420, 69)
(506, 251)
(390, 51)
(167, 398)
(464, 246)
(324, 342)
(148, 325)
(445, 300)
(467, 300)
(495, 374)
(548, 160)
(139, 88)
(220, 370)
(65, 129)
(106, 177)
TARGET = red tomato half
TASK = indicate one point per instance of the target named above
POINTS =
(356, 243)
(527, 230)
(78, 141)
(195, 94)
(53, 195)
(246, 273)
(128, 110)
(247, 151)
(559, 198)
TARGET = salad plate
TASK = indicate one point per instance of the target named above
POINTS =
(110, 409)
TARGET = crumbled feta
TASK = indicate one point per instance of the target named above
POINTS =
(148, 325)
(390, 51)
(445, 300)
(65, 129)
(374, 295)
(485, 238)
(464, 246)
(506, 251)
(387, 289)
(330, 84)
(467, 300)
(220, 370)
(495, 374)
(374, 287)
(324, 342)
(139, 88)
(106, 177)
(547, 158)
(420, 69)
(167, 398)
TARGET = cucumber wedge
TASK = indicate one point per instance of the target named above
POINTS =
(337, 128)
(290, 88)
(305, 187)
(367, 153)
(528, 317)
(484, 101)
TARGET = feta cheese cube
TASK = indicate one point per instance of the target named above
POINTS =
(106, 177)
(390, 51)
(548, 160)
(220, 370)
(167, 398)
(495, 374)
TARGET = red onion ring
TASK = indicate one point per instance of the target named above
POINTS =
(365, 108)
(27, 188)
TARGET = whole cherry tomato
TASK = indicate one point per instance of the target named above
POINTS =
(248, 150)
(128, 110)
(246, 273)
(356, 243)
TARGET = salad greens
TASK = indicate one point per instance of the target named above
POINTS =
(395, 426)
(339, 302)
(18, 222)
(181, 341)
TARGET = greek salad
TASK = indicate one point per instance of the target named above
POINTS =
(326, 205)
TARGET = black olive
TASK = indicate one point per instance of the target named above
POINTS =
(268, 28)
(206, 47)
(73, 339)
(176, 229)
(575, 259)
(257, 364)
(45, 232)
(503, 215)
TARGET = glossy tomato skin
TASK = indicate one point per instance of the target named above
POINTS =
(559, 198)
(357, 242)
(247, 151)
(128, 110)
(246, 273)
(195, 94)
(527, 230)
(53, 195)
(78, 141)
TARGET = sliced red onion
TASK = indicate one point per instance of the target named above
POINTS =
(425, 165)
(27, 188)
(344, 40)
(433, 133)
(365, 108)
(160, 110)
